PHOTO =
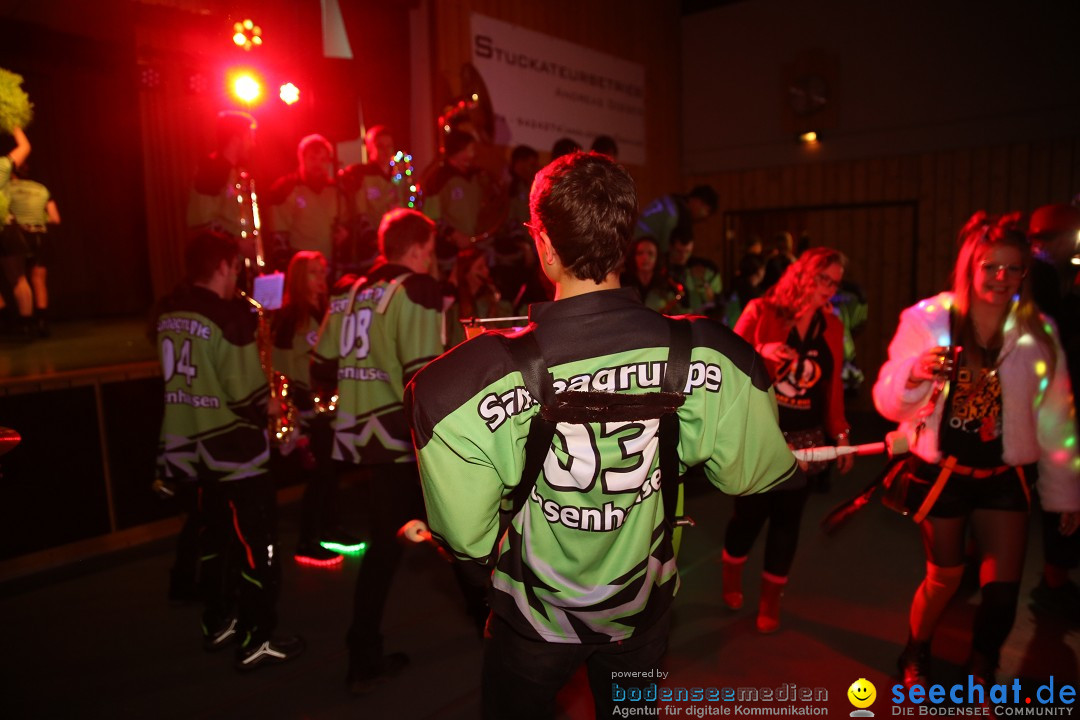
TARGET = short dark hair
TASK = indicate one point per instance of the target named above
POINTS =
(455, 141)
(522, 152)
(232, 124)
(707, 195)
(564, 146)
(680, 236)
(750, 263)
(402, 228)
(205, 252)
(587, 205)
(605, 145)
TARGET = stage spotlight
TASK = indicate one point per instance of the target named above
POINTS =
(289, 93)
(246, 88)
(247, 34)
(808, 138)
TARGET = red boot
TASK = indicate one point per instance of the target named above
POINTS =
(731, 580)
(772, 587)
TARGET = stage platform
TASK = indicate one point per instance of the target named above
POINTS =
(79, 352)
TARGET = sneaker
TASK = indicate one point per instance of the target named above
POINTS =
(1063, 601)
(269, 652)
(983, 671)
(914, 664)
(218, 639)
(364, 680)
(311, 553)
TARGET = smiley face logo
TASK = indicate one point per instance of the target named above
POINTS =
(862, 693)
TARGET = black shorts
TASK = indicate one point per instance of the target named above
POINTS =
(12, 241)
(962, 493)
(37, 248)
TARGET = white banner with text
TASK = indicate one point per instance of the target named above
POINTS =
(544, 88)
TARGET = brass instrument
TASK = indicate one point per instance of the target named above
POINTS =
(284, 416)
(250, 224)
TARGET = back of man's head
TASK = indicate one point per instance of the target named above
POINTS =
(587, 205)
(707, 196)
(564, 146)
(400, 229)
(309, 142)
(231, 125)
(205, 252)
(606, 145)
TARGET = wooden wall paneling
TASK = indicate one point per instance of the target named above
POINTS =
(892, 181)
(1074, 179)
(829, 229)
(788, 193)
(1061, 185)
(962, 206)
(870, 274)
(1038, 175)
(1018, 177)
(924, 258)
(980, 179)
(800, 192)
(815, 178)
(773, 188)
(875, 179)
(945, 226)
(858, 173)
(999, 180)
(909, 177)
(829, 181)
(843, 188)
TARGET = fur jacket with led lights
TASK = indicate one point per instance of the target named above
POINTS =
(1036, 407)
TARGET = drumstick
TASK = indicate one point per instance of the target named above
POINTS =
(895, 443)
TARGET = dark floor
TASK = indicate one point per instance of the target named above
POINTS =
(98, 639)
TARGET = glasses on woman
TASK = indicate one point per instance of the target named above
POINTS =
(1013, 272)
(827, 282)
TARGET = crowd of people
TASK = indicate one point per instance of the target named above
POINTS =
(545, 458)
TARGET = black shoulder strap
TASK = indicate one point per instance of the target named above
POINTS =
(675, 377)
(527, 358)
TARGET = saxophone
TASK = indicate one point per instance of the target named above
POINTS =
(284, 416)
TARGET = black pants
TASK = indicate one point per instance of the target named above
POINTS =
(314, 467)
(239, 550)
(184, 576)
(1062, 551)
(394, 499)
(521, 677)
(783, 509)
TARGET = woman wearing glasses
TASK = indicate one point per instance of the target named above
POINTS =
(976, 377)
(802, 344)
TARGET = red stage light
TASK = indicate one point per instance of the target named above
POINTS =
(246, 87)
(289, 93)
(247, 34)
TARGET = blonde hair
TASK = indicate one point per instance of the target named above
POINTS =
(981, 233)
(792, 293)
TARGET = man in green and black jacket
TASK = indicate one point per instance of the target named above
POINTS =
(380, 329)
(214, 434)
(585, 571)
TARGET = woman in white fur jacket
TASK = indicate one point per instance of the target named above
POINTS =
(976, 377)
